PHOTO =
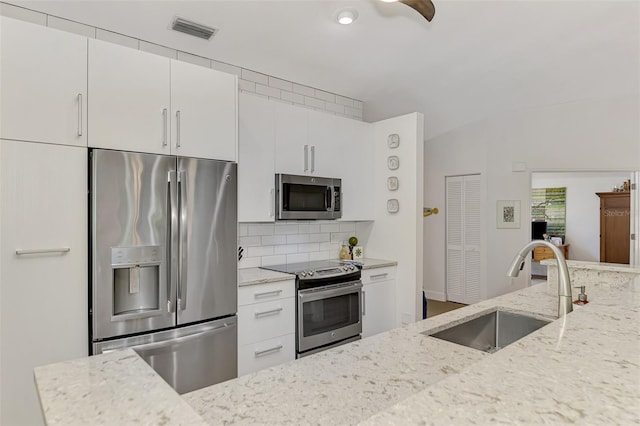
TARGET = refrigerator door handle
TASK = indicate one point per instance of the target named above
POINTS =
(172, 243)
(179, 340)
(182, 248)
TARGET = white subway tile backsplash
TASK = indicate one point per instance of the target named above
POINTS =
(259, 251)
(293, 97)
(272, 92)
(260, 229)
(71, 26)
(344, 101)
(308, 247)
(252, 241)
(289, 242)
(194, 59)
(300, 257)
(304, 90)
(322, 255)
(286, 249)
(358, 105)
(330, 227)
(116, 38)
(272, 240)
(280, 84)
(250, 262)
(23, 14)
(274, 260)
(255, 76)
(286, 228)
(320, 237)
(156, 49)
(230, 69)
(309, 228)
(297, 238)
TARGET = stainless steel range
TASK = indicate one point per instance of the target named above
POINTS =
(329, 304)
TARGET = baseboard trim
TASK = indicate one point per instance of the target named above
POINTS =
(435, 295)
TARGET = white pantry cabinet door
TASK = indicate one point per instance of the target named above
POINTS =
(43, 296)
(43, 81)
(129, 102)
(292, 144)
(203, 112)
(356, 158)
(256, 162)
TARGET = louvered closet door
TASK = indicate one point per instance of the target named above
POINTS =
(463, 239)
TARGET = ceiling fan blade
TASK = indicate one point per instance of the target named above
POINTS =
(424, 7)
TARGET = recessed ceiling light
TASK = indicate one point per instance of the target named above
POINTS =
(347, 16)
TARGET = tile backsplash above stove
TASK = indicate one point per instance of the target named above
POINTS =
(292, 241)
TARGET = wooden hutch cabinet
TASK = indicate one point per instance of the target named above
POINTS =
(615, 219)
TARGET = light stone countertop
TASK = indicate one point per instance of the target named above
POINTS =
(584, 368)
(596, 266)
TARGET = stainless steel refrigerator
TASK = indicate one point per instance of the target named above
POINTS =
(164, 263)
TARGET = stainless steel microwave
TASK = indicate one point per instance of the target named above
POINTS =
(307, 197)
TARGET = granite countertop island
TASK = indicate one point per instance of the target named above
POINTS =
(584, 367)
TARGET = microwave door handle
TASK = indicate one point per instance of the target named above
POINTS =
(330, 199)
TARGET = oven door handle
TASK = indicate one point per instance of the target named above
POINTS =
(315, 294)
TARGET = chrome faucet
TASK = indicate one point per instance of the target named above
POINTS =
(565, 302)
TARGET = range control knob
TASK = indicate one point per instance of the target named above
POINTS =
(303, 274)
(345, 268)
(310, 273)
(351, 268)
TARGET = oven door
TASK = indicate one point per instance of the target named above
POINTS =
(328, 314)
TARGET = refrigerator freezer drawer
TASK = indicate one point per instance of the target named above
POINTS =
(188, 358)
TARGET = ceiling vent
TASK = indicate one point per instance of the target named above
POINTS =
(192, 28)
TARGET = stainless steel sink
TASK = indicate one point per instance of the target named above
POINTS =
(491, 332)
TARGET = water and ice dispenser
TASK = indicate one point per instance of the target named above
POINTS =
(136, 279)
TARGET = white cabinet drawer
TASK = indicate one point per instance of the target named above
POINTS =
(265, 320)
(378, 274)
(266, 292)
(265, 354)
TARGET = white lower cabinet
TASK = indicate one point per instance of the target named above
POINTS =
(379, 300)
(43, 268)
(266, 325)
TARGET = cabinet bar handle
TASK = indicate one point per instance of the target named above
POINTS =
(266, 351)
(271, 312)
(21, 252)
(313, 158)
(267, 293)
(164, 127)
(272, 202)
(178, 129)
(373, 277)
(364, 304)
(306, 158)
(79, 114)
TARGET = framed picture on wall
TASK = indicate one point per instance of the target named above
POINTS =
(508, 214)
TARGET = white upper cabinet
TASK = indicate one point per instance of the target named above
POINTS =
(203, 105)
(43, 81)
(292, 145)
(148, 103)
(256, 159)
(328, 136)
(129, 103)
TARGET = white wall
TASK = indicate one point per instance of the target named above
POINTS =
(398, 236)
(589, 134)
(582, 207)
